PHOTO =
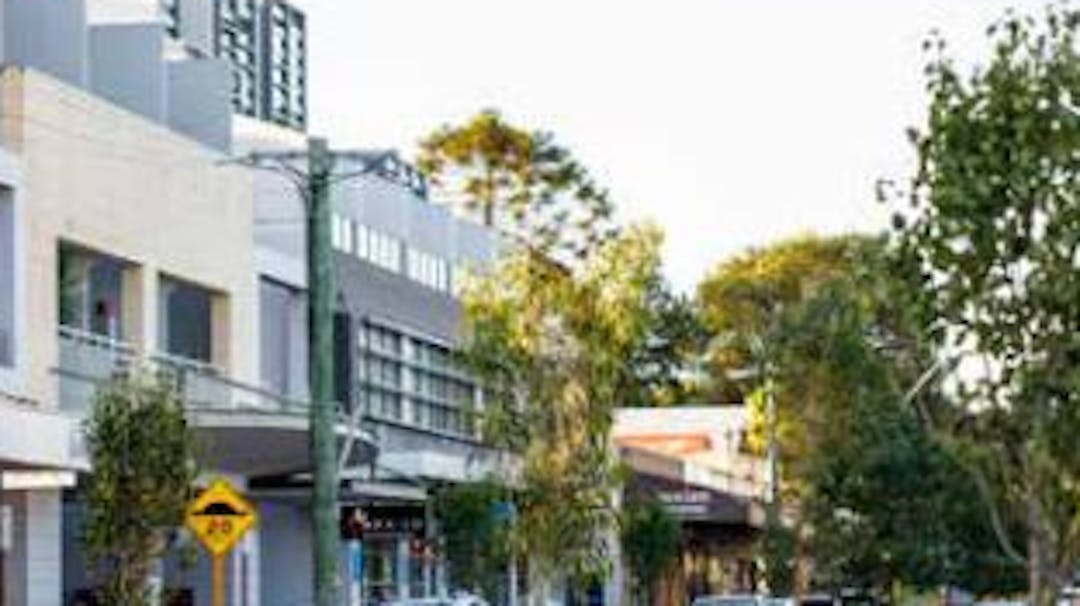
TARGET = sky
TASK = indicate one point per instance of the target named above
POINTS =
(730, 123)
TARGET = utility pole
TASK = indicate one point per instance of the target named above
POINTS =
(324, 510)
(313, 174)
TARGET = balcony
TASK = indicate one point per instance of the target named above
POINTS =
(88, 359)
(242, 428)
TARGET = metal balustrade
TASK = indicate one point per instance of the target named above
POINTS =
(87, 360)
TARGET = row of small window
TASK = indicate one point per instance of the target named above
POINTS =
(380, 338)
(430, 270)
(429, 415)
(442, 418)
(378, 371)
(373, 370)
(442, 388)
(389, 253)
(350, 237)
(391, 342)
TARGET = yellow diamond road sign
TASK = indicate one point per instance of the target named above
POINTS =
(219, 516)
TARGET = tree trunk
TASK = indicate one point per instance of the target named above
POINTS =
(1043, 585)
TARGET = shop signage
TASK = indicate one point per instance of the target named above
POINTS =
(357, 521)
(691, 502)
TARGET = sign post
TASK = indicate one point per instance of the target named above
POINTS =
(219, 517)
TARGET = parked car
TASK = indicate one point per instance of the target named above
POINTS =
(741, 600)
(455, 600)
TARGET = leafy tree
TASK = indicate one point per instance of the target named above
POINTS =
(877, 501)
(887, 504)
(744, 303)
(664, 365)
(476, 534)
(988, 232)
(551, 342)
(522, 182)
(743, 299)
(651, 538)
(143, 459)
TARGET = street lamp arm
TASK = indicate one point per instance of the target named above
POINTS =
(942, 365)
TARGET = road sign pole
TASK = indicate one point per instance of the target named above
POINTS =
(217, 581)
(218, 518)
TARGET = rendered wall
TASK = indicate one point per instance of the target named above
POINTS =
(111, 181)
(126, 67)
(198, 103)
(47, 35)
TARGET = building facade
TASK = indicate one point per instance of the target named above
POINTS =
(111, 289)
(399, 260)
(263, 41)
(691, 461)
(126, 242)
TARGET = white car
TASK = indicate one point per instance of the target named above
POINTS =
(457, 600)
(740, 600)
(727, 600)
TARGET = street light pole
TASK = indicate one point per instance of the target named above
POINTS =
(313, 183)
(324, 510)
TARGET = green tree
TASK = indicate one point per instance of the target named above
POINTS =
(745, 302)
(552, 343)
(143, 458)
(888, 505)
(476, 534)
(743, 299)
(988, 237)
(665, 365)
(651, 539)
(521, 182)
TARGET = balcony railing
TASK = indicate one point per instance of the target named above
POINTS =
(87, 360)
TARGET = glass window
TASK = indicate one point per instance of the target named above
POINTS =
(361, 241)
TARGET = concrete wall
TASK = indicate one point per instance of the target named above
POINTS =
(395, 210)
(47, 35)
(367, 290)
(102, 177)
(123, 11)
(198, 102)
(126, 67)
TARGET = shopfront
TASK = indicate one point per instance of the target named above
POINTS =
(719, 531)
(392, 554)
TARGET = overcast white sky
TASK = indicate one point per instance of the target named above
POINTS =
(729, 122)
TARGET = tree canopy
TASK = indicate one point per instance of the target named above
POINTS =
(988, 231)
(522, 182)
(552, 342)
(143, 459)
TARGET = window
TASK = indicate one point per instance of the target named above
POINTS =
(341, 232)
(282, 338)
(186, 320)
(382, 404)
(362, 238)
(430, 270)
